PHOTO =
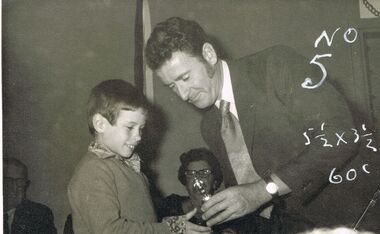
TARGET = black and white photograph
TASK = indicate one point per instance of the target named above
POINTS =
(191, 116)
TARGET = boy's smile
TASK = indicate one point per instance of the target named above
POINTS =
(122, 137)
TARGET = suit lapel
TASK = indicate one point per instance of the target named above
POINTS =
(247, 96)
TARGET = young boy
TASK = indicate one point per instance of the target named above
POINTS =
(108, 193)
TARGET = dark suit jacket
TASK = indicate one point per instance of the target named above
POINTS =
(33, 218)
(274, 112)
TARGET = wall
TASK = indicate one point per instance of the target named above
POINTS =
(53, 53)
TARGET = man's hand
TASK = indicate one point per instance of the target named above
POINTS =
(235, 202)
(193, 228)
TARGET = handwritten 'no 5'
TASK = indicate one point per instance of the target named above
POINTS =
(308, 84)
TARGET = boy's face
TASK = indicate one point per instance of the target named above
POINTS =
(122, 137)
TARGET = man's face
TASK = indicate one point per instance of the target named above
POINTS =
(199, 169)
(15, 185)
(122, 137)
(191, 79)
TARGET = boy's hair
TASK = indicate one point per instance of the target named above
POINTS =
(111, 96)
(200, 154)
(172, 35)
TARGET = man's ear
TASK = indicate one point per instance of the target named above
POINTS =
(99, 122)
(209, 54)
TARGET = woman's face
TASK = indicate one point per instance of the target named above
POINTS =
(202, 171)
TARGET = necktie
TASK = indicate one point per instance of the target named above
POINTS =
(5, 223)
(237, 151)
(236, 148)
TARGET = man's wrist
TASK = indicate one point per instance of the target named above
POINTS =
(283, 188)
(265, 196)
(271, 187)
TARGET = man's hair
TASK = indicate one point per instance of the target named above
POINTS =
(200, 154)
(111, 96)
(172, 35)
(8, 161)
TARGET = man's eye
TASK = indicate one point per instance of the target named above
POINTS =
(184, 78)
(172, 85)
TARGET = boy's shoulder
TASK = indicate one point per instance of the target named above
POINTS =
(91, 166)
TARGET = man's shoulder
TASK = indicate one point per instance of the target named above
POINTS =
(33, 217)
(90, 162)
(268, 65)
(31, 207)
(30, 211)
(276, 51)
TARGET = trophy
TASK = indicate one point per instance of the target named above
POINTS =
(201, 187)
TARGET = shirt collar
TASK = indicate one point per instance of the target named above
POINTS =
(227, 93)
(102, 152)
(11, 215)
(11, 212)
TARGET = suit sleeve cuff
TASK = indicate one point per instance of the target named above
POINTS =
(283, 188)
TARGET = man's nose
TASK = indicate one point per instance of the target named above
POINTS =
(183, 92)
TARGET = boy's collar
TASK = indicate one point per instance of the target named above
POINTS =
(102, 152)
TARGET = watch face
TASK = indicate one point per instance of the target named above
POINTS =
(272, 188)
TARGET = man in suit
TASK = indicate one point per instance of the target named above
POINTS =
(22, 215)
(273, 113)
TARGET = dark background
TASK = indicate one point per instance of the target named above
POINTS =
(54, 52)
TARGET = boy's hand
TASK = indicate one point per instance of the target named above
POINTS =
(193, 228)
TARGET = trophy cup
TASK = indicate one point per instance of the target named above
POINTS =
(201, 187)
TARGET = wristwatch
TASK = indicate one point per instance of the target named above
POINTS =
(271, 186)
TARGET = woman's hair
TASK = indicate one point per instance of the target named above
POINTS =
(200, 154)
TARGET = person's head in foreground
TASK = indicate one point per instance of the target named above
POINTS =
(181, 54)
(117, 113)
